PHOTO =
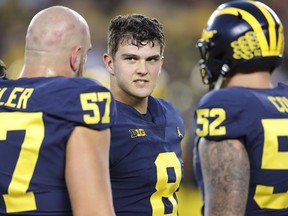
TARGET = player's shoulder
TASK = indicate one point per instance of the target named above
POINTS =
(55, 87)
(226, 96)
(282, 86)
(160, 107)
(77, 83)
(74, 97)
(166, 104)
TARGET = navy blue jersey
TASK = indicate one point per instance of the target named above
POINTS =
(37, 116)
(259, 118)
(145, 159)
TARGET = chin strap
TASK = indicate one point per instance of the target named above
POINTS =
(219, 82)
(224, 71)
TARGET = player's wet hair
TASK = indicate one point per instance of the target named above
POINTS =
(135, 29)
(3, 69)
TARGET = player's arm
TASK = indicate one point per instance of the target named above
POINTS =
(226, 171)
(87, 172)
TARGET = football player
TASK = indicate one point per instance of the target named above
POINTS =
(54, 126)
(146, 167)
(242, 122)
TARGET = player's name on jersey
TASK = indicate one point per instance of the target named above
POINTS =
(280, 102)
(17, 98)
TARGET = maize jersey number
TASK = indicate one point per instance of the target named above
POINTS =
(18, 199)
(164, 189)
(272, 159)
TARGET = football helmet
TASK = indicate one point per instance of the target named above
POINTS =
(240, 35)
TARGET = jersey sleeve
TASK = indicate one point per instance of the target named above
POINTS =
(84, 102)
(221, 115)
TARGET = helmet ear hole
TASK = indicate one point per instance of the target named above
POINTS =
(219, 56)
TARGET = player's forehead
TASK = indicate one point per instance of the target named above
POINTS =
(141, 48)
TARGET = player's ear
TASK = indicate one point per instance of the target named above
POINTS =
(75, 59)
(162, 60)
(108, 61)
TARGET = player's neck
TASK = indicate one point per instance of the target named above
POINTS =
(140, 104)
(41, 71)
(260, 80)
(45, 64)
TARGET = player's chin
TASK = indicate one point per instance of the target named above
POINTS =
(142, 93)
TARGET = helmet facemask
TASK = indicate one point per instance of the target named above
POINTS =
(209, 78)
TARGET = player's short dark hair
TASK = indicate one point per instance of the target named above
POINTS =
(3, 69)
(136, 29)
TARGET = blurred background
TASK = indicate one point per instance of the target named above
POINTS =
(179, 81)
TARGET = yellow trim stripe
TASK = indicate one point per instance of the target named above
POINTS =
(271, 24)
(256, 26)
(280, 45)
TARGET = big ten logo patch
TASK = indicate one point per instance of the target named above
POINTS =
(137, 132)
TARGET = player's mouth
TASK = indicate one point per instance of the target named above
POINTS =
(141, 82)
